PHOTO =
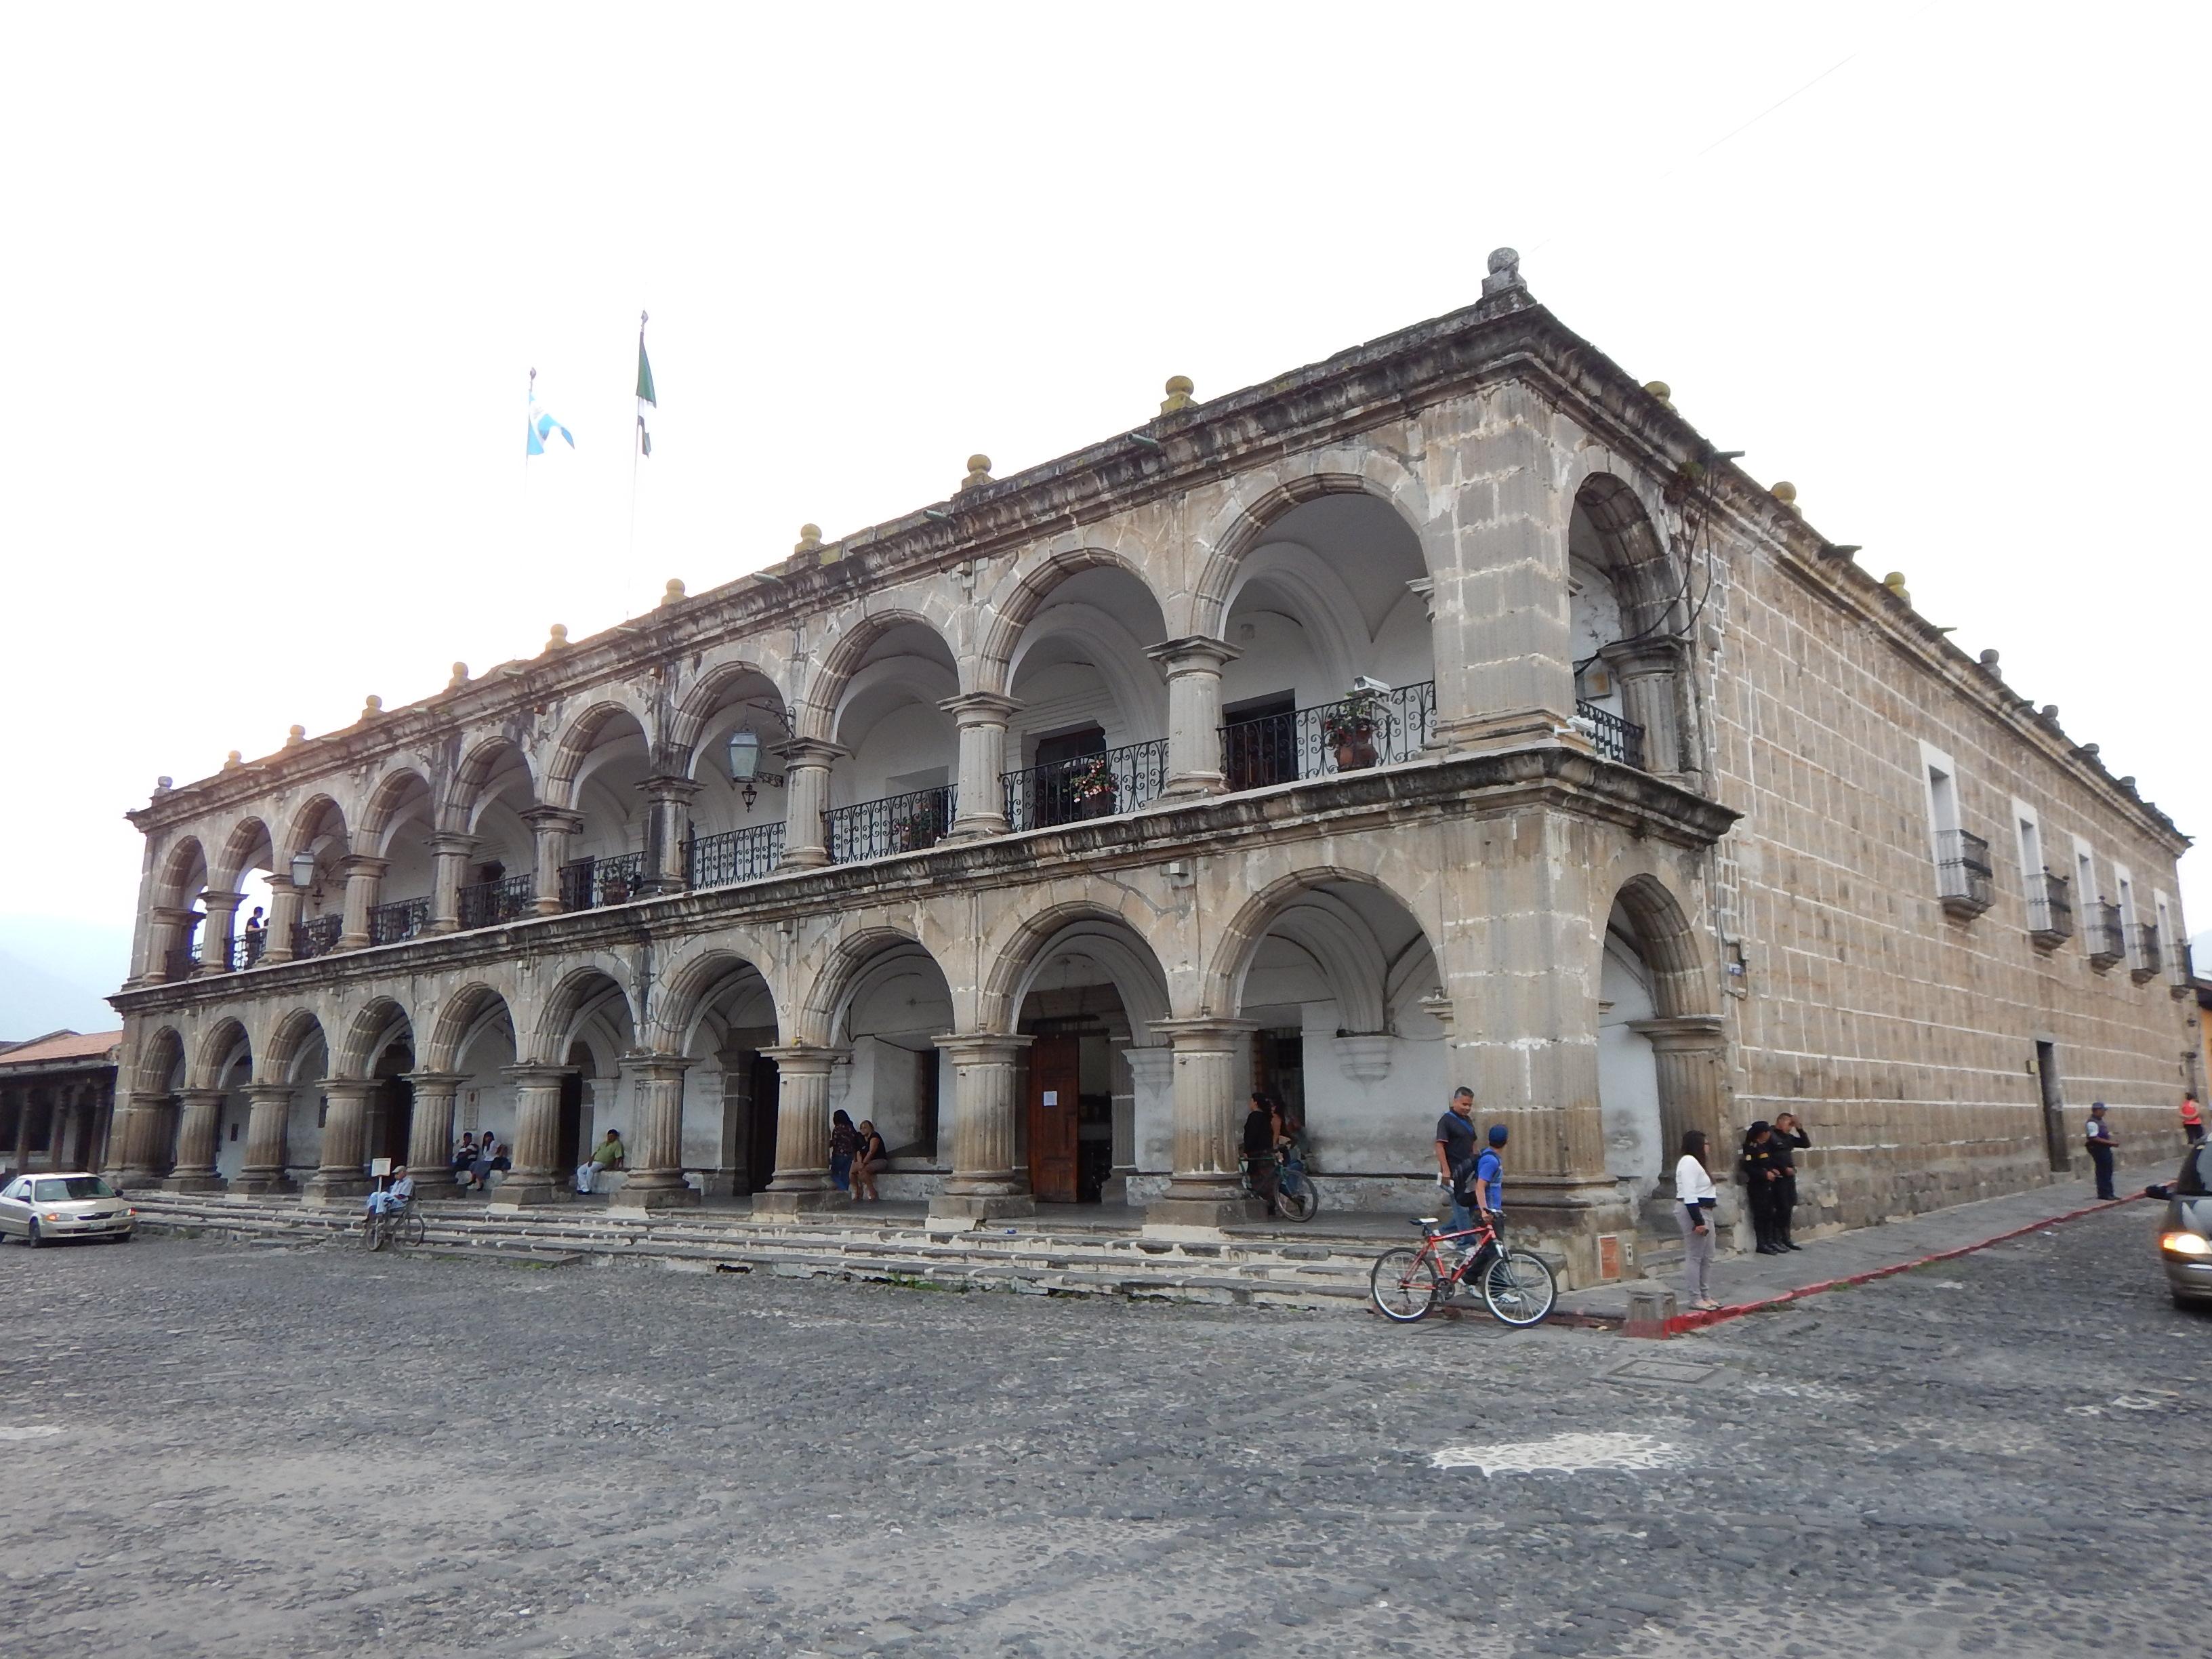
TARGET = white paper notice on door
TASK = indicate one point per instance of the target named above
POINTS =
(1052, 1096)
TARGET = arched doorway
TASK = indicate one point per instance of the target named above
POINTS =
(1662, 1047)
(889, 1070)
(720, 1013)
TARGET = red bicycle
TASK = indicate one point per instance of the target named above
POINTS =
(1408, 1284)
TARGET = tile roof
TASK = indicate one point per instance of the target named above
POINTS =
(63, 1046)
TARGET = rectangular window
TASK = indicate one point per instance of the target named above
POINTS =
(2171, 948)
(2088, 898)
(2130, 933)
(2035, 880)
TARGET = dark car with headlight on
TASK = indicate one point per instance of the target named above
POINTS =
(2184, 1237)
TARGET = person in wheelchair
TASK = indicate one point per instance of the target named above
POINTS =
(395, 1196)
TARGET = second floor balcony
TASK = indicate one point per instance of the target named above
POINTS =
(2050, 911)
(2147, 961)
(1366, 729)
(2108, 936)
(1964, 878)
(897, 824)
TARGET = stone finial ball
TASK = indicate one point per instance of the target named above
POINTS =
(372, 704)
(296, 734)
(2050, 711)
(557, 636)
(1895, 579)
(673, 591)
(1504, 258)
(165, 782)
(1180, 385)
(1784, 492)
(1660, 390)
(235, 757)
(975, 464)
(812, 532)
(460, 671)
(1989, 659)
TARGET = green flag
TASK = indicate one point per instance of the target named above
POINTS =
(644, 390)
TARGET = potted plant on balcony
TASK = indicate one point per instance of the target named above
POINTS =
(614, 889)
(918, 830)
(1349, 730)
(1093, 789)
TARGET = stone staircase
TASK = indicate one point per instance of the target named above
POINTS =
(1029, 1256)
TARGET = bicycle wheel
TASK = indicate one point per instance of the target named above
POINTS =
(1304, 1205)
(1404, 1284)
(1519, 1289)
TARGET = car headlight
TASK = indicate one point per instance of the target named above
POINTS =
(2186, 1244)
(53, 1215)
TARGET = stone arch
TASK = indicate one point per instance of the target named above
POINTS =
(581, 735)
(582, 993)
(815, 1020)
(160, 1063)
(1635, 550)
(462, 804)
(703, 700)
(816, 714)
(386, 800)
(367, 1034)
(688, 991)
(1686, 1066)
(1326, 606)
(1681, 985)
(248, 837)
(291, 1040)
(1222, 988)
(215, 1051)
(992, 667)
(458, 1022)
(184, 872)
(1119, 948)
(1242, 523)
(319, 818)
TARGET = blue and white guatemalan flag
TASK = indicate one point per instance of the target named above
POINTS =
(543, 426)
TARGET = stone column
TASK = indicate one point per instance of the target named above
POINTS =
(145, 1115)
(364, 880)
(172, 930)
(736, 1164)
(533, 1179)
(344, 1172)
(1192, 666)
(986, 1182)
(550, 826)
(981, 798)
(802, 1136)
(449, 862)
(1691, 1052)
(284, 916)
(1205, 1189)
(1651, 673)
(268, 1114)
(655, 1178)
(806, 782)
(202, 1121)
(668, 808)
(1502, 637)
(430, 1131)
(216, 937)
(1152, 1078)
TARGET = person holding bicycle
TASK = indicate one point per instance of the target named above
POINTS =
(1259, 1147)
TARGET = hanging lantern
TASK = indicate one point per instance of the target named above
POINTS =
(303, 869)
(744, 755)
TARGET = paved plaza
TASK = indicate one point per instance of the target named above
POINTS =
(220, 1449)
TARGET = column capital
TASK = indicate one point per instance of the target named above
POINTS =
(214, 901)
(259, 1092)
(175, 915)
(666, 788)
(1192, 654)
(433, 1082)
(813, 751)
(363, 864)
(531, 1076)
(973, 1047)
(449, 842)
(980, 708)
(803, 1059)
(647, 1064)
(543, 819)
(1681, 1033)
(192, 1096)
(1660, 654)
(1205, 1033)
(339, 1086)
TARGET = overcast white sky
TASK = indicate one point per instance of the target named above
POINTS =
(274, 278)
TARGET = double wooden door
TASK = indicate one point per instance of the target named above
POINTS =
(1054, 1118)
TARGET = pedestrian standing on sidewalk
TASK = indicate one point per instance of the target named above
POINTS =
(1259, 1146)
(2102, 1143)
(1456, 1155)
(1762, 1183)
(1789, 1138)
(2192, 1118)
(1699, 1206)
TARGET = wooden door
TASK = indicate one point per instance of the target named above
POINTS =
(760, 1145)
(1056, 1075)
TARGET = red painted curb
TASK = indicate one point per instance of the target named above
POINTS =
(1694, 1321)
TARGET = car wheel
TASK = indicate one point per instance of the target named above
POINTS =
(32, 1237)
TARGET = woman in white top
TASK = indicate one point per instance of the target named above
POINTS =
(1698, 1202)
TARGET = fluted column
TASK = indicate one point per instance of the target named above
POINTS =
(668, 808)
(1651, 672)
(172, 930)
(981, 798)
(806, 782)
(449, 861)
(986, 1181)
(344, 1171)
(802, 1135)
(1192, 666)
(284, 916)
(655, 1180)
(215, 935)
(1205, 1189)
(430, 1130)
(1690, 1056)
(533, 1179)
(268, 1116)
(551, 827)
(201, 1119)
(145, 1120)
(364, 881)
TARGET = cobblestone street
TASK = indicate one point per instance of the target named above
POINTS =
(217, 1450)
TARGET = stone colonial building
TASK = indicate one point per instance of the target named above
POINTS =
(1447, 711)
(57, 1100)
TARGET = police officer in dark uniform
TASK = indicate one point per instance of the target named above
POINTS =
(1762, 1180)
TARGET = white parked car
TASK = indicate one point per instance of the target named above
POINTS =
(37, 1208)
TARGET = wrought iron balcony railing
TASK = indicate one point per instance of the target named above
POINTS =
(403, 919)
(2050, 909)
(1964, 875)
(1086, 787)
(317, 937)
(2108, 941)
(896, 824)
(1372, 729)
(590, 883)
(733, 856)
(2146, 961)
(489, 903)
(1617, 739)
(178, 962)
(247, 948)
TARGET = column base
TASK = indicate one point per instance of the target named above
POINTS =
(261, 1184)
(333, 1189)
(1514, 731)
(1193, 786)
(531, 1192)
(968, 1208)
(1208, 1213)
(635, 1194)
(804, 858)
(195, 1183)
(1566, 1217)
(977, 829)
(772, 1205)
